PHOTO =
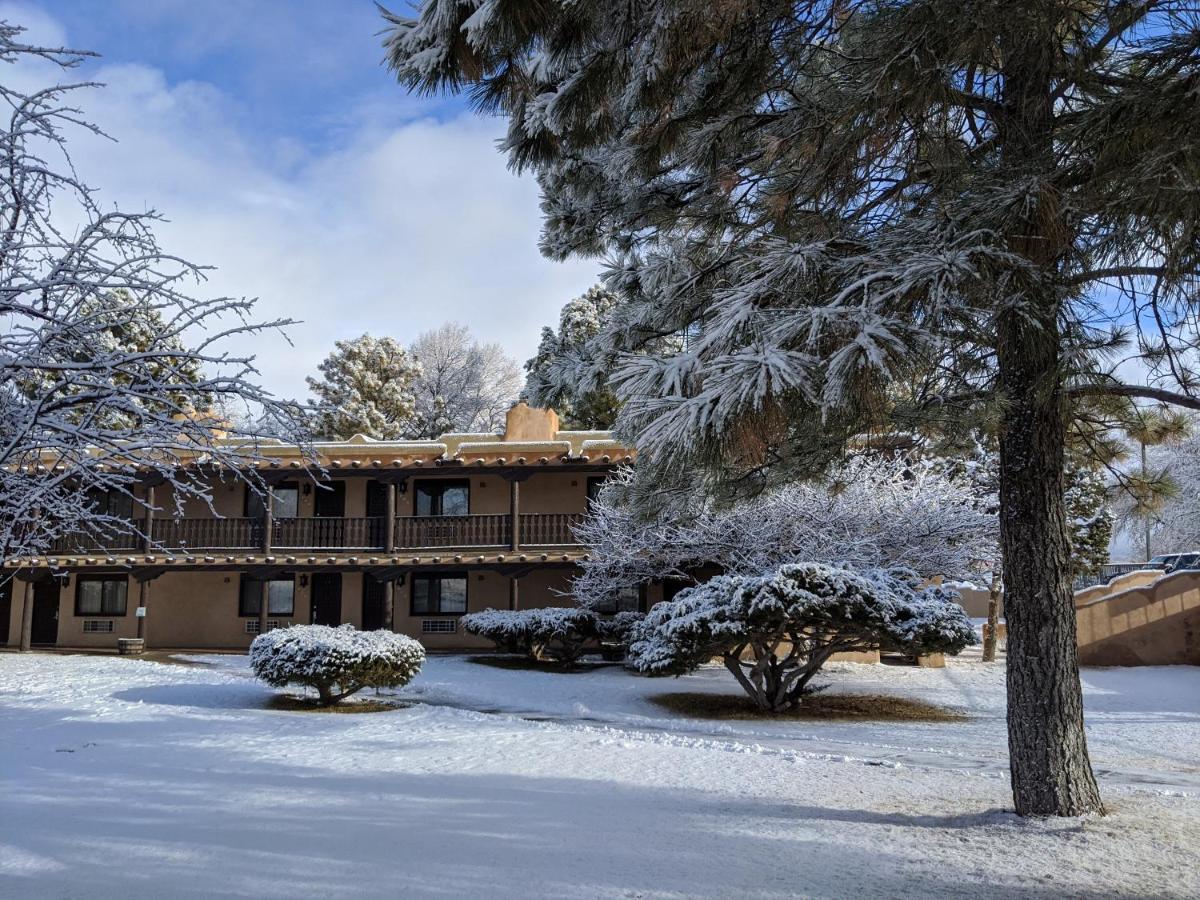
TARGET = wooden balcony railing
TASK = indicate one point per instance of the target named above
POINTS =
(418, 532)
(330, 533)
(549, 529)
(359, 533)
(91, 543)
(208, 534)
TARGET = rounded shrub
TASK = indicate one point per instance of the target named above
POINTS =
(337, 662)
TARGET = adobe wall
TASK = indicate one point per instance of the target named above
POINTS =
(1154, 624)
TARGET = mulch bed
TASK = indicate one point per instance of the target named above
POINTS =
(853, 707)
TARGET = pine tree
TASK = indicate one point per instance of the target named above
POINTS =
(366, 387)
(560, 376)
(825, 196)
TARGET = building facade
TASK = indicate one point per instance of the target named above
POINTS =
(406, 536)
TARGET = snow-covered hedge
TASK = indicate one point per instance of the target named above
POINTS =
(558, 634)
(617, 631)
(336, 661)
(774, 632)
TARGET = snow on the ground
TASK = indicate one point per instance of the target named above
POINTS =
(130, 778)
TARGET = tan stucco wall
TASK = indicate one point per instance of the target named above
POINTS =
(1155, 624)
(1121, 583)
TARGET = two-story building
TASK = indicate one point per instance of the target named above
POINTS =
(405, 536)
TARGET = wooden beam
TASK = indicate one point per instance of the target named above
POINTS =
(389, 605)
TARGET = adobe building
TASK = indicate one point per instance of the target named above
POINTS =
(405, 535)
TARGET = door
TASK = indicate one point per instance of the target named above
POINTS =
(329, 510)
(327, 599)
(45, 612)
(377, 513)
(5, 610)
(372, 609)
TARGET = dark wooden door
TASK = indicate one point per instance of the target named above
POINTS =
(372, 609)
(377, 512)
(45, 613)
(330, 500)
(327, 599)
(6, 593)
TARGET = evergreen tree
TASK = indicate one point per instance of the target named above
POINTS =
(827, 195)
(366, 387)
(562, 376)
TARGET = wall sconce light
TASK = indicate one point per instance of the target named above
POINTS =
(303, 581)
(402, 487)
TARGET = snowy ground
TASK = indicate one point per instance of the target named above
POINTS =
(130, 778)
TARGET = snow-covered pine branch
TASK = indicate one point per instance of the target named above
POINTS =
(111, 372)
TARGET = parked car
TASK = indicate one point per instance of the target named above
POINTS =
(1175, 562)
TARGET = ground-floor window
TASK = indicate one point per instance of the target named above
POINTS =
(444, 595)
(627, 599)
(101, 595)
(281, 596)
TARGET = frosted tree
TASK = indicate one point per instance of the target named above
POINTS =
(874, 512)
(366, 387)
(1144, 492)
(1174, 521)
(774, 632)
(108, 366)
(464, 384)
(828, 194)
(562, 376)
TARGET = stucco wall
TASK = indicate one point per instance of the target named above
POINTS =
(1154, 624)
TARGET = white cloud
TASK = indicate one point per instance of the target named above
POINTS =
(397, 229)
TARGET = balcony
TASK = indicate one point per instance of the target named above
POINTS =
(361, 533)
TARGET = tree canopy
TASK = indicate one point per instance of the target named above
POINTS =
(987, 203)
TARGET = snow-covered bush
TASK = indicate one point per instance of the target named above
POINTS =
(558, 634)
(873, 511)
(616, 631)
(774, 632)
(336, 661)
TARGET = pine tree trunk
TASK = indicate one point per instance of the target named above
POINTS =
(991, 637)
(1048, 758)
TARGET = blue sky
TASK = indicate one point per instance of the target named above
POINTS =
(286, 156)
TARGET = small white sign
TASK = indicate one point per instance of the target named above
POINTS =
(140, 612)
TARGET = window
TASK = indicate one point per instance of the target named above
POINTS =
(443, 498)
(627, 599)
(100, 595)
(113, 503)
(593, 488)
(286, 505)
(439, 595)
(281, 596)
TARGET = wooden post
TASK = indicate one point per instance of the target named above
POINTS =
(514, 592)
(148, 544)
(389, 605)
(264, 591)
(268, 519)
(143, 603)
(27, 618)
(514, 502)
(390, 532)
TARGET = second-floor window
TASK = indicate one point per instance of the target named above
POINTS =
(286, 505)
(117, 504)
(444, 595)
(101, 595)
(443, 498)
(281, 597)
